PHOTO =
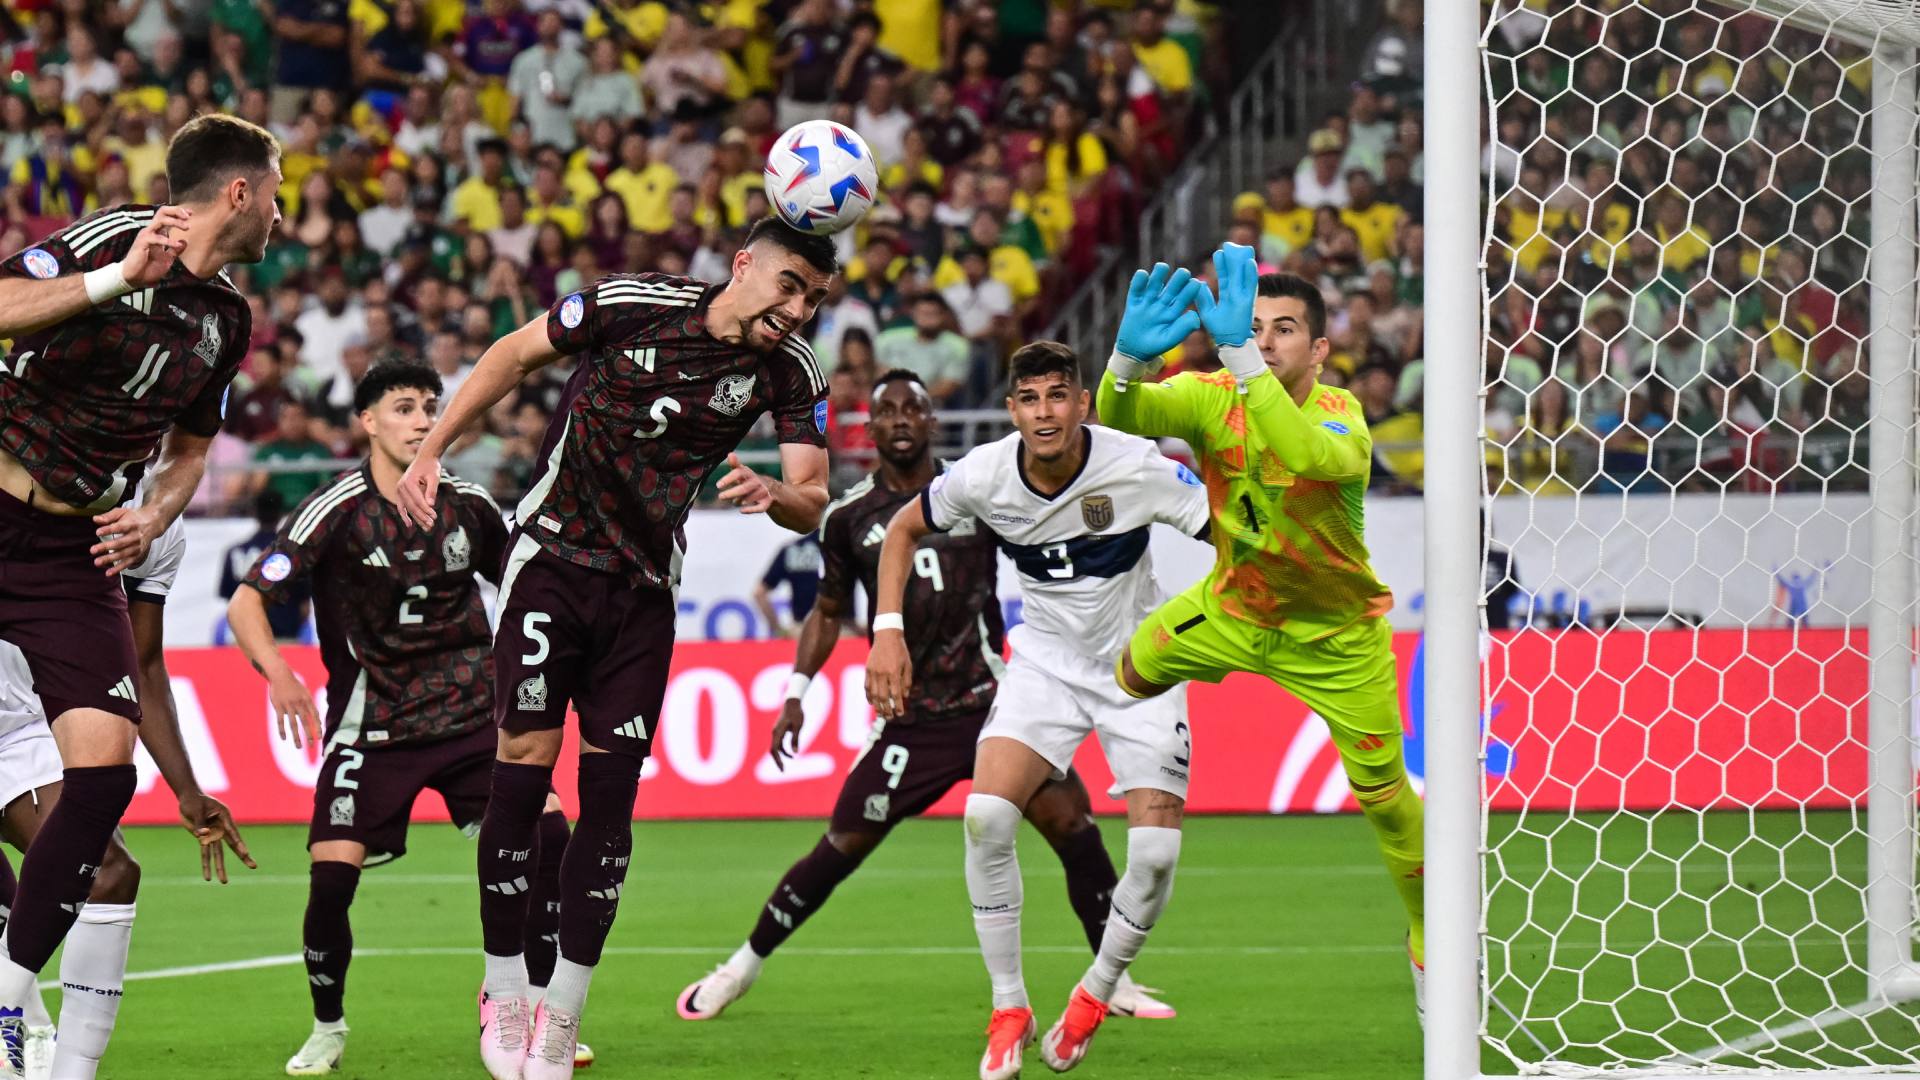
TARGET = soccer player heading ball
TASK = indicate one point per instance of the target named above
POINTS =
(670, 374)
(1291, 595)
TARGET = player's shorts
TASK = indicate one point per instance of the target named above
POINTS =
(29, 760)
(365, 794)
(1348, 678)
(1051, 697)
(571, 634)
(64, 613)
(904, 769)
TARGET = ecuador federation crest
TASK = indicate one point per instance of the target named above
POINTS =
(732, 394)
(1097, 511)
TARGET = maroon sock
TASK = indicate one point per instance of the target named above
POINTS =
(58, 872)
(543, 904)
(1090, 880)
(508, 833)
(326, 937)
(801, 893)
(595, 865)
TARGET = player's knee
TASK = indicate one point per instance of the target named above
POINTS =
(1059, 816)
(1153, 853)
(608, 785)
(118, 881)
(991, 822)
(855, 845)
(1378, 790)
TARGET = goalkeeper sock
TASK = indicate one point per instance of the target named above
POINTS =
(1396, 814)
(993, 884)
(1143, 892)
(93, 969)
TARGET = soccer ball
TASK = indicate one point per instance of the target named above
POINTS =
(820, 177)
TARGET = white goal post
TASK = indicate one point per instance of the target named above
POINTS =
(1741, 927)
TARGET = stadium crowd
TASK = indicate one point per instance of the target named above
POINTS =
(1676, 263)
(452, 167)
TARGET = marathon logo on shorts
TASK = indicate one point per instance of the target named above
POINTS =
(341, 812)
(878, 807)
(457, 550)
(532, 694)
(1097, 511)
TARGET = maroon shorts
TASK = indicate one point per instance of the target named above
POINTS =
(365, 794)
(569, 634)
(904, 769)
(64, 613)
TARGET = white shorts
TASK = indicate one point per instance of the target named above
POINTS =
(29, 759)
(1051, 697)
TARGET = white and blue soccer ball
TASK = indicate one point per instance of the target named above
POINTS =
(821, 177)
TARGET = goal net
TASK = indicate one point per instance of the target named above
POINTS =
(1697, 411)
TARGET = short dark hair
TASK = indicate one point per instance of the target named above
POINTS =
(817, 250)
(212, 150)
(394, 375)
(269, 507)
(895, 375)
(1040, 358)
(1299, 288)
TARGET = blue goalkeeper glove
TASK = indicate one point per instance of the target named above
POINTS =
(1159, 313)
(1230, 319)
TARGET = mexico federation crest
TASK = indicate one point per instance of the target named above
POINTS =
(732, 394)
(456, 551)
(531, 695)
(1097, 511)
(209, 347)
(341, 812)
(877, 807)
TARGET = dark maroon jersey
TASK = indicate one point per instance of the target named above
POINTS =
(954, 630)
(403, 630)
(655, 404)
(83, 403)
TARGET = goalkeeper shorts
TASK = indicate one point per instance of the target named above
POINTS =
(1348, 678)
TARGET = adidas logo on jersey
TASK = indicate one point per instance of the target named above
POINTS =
(414, 556)
(642, 358)
(378, 558)
(123, 690)
(141, 301)
(875, 535)
(632, 729)
(531, 695)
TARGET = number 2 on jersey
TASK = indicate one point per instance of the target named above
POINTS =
(408, 616)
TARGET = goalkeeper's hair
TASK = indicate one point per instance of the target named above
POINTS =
(1041, 358)
(1299, 288)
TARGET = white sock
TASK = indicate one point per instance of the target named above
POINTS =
(745, 961)
(17, 984)
(506, 976)
(325, 1027)
(993, 884)
(567, 990)
(1138, 900)
(36, 1008)
(93, 969)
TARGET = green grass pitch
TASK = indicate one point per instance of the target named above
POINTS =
(1281, 949)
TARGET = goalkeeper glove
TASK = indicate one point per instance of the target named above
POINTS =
(1230, 318)
(1158, 315)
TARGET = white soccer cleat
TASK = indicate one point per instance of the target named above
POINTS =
(1132, 999)
(556, 1041)
(710, 996)
(319, 1056)
(504, 1027)
(38, 1052)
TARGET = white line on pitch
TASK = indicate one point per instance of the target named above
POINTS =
(1774, 1036)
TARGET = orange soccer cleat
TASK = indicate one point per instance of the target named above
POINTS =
(1009, 1034)
(1067, 1040)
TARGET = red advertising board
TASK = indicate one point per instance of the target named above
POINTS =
(1638, 719)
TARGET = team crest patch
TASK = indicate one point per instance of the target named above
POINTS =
(41, 263)
(209, 347)
(531, 695)
(1096, 511)
(341, 812)
(276, 568)
(1335, 426)
(572, 310)
(878, 806)
(732, 394)
(820, 417)
(456, 550)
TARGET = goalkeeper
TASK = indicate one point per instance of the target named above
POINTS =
(1285, 462)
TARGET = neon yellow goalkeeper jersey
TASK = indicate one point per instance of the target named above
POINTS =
(1286, 485)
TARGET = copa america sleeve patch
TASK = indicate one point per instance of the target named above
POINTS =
(1185, 475)
(40, 263)
(276, 567)
(820, 416)
(1336, 427)
(572, 310)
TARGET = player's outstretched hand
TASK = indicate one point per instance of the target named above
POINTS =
(211, 823)
(1229, 320)
(1159, 312)
(418, 486)
(293, 711)
(786, 733)
(889, 674)
(745, 488)
(126, 534)
(156, 248)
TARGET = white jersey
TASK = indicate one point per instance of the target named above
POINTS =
(1085, 571)
(150, 582)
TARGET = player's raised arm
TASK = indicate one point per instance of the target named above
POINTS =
(889, 668)
(47, 284)
(1277, 375)
(1159, 315)
(501, 368)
